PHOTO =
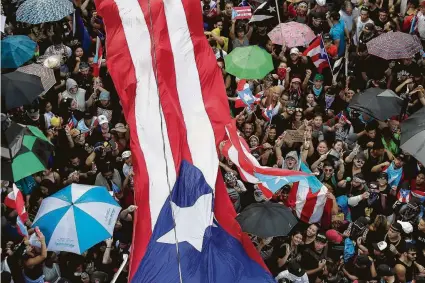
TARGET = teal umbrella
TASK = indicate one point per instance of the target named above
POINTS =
(249, 62)
(16, 50)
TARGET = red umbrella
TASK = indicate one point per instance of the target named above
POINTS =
(394, 45)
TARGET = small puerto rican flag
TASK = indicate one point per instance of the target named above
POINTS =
(317, 52)
(245, 96)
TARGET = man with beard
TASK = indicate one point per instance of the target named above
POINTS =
(394, 239)
(318, 23)
(76, 171)
(313, 259)
(84, 78)
(259, 36)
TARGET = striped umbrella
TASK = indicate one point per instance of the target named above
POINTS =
(43, 11)
(29, 152)
(394, 45)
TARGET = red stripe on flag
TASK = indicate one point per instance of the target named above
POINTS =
(122, 71)
(309, 205)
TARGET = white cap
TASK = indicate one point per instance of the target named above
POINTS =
(294, 51)
(381, 245)
(407, 227)
(102, 119)
(321, 2)
(126, 154)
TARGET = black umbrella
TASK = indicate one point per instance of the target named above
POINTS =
(413, 135)
(378, 103)
(18, 89)
(267, 219)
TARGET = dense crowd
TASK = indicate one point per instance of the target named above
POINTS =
(375, 228)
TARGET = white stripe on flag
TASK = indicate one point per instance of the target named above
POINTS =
(148, 118)
(302, 192)
(316, 50)
(320, 205)
(234, 157)
(200, 134)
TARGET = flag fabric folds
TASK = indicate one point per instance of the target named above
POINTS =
(15, 200)
(267, 10)
(97, 60)
(317, 52)
(165, 72)
(236, 149)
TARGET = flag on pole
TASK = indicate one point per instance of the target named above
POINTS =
(317, 52)
(20, 226)
(174, 99)
(15, 200)
(267, 10)
(97, 60)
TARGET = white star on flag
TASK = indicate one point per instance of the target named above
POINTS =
(271, 9)
(192, 232)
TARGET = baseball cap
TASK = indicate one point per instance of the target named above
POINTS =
(384, 270)
(295, 269)
(33, 114)
(126, 154)
(318, 77)
(119, 127)
(104, 95)
(333, 236)
(327, 36)
(383, 175)
(369, 27)
(362, 260)
(381, 246)
(321, 238)
(102, 119)
(396, 227)
(294, 50)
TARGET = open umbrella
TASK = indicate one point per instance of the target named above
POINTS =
(267, 219)
(413, 135)
(249, 62)
(394, 45)
(18, 89)
(292, 34)
(16, 50)
(30, 154)
(77, 217)
(43, 11)
(46, 75)
(378, 103)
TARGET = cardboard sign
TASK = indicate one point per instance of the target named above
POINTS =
(294, 136)
(240, 13)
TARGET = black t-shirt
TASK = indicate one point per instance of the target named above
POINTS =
(361, 273)
(378, 70)
(310, 260)
(419, 238)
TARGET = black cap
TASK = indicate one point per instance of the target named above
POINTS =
(384, 270)
(369, 27)
(327, 36)
(383, 175)
(401, 156)
(321, 238)
(396, 227)
(87, 115)
(295, 269)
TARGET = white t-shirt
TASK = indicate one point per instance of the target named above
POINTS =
(359, 28)
(349, 19)
(421, 25)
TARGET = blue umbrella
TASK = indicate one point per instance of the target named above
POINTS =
(43, 11)
(16, 50)
(77, 217)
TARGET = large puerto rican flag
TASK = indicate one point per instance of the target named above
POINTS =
(15, 200)
(174, 100)
(317, 52)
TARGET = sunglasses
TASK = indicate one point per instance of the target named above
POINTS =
(328, 170)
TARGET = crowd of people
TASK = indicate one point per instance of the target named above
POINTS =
(374, 230)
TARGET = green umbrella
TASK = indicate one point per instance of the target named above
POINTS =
(32, 157)
(249, 62)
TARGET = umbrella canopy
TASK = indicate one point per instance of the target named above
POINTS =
(77, 217)
(378, 103)
(267, 219)
(292, 34)
(249, 62)
(33, 154)
(43, 11)
(16, 50)
(394, 45)
(46, 75)
(413, 135)
(18, 89)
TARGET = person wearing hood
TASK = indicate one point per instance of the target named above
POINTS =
(73, 91)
